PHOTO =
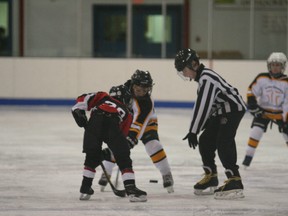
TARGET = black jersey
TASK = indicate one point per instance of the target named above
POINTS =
(215, 97)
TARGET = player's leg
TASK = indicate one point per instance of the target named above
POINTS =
(158, 156)
(233, 187)
(117, 142)
(207, 149)
(259, 126)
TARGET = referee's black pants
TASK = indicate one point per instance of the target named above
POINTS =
(219, 135)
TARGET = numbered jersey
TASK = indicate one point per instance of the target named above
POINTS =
(271, 94)
(102, 101)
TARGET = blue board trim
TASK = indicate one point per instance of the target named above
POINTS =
(70, 102)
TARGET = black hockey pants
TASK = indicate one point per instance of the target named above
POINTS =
(102, 128)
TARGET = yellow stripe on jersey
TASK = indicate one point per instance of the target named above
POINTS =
(158, 156)
(148, 128)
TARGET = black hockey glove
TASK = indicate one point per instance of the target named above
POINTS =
(131, 141)
(107, 155)
(192, 140)
(255, 110)
(283, 127)
(80, 117)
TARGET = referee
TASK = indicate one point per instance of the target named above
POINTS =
(218, 111)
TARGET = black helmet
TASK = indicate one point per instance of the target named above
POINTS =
(184, 59)
(121, 93)
(142, 78)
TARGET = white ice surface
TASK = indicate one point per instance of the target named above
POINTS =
(41, 170)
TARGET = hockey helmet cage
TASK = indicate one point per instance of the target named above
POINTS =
(142, 78)
(278, 57)
(122, 94)
(184, 59)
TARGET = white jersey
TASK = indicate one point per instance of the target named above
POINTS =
(144, 117)
(271, 93)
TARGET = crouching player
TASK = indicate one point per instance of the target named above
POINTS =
(109, 122)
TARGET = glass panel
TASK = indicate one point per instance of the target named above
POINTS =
(154, 33)
(110, 28)
(175, 33)
(144, 33)
(270, 29)
(148, 31)
(115, 30)
(230, 31)
(5, 49)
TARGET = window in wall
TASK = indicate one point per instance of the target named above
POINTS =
(149, 35)
(109, 33)
(149, 31)
(5, 28)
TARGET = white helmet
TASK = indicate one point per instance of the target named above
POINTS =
(278, 57)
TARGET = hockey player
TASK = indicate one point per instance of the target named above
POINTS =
(144, 128)
(109, 122)
(218, 111)
(267, 100)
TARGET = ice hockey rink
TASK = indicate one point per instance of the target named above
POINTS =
(41, 170)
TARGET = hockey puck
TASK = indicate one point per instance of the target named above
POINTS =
(153, 181)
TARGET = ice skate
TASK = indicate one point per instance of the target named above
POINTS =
(247, 161)
(85, 193)
(207, 184)
(168, 182)
(232, 189)
(103, 182)
(135, 194)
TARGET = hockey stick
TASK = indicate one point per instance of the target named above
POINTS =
(120, 193)
(117, 177)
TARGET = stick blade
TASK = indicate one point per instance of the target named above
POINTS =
(120, 193)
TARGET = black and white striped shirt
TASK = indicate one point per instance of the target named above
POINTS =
(215, 97)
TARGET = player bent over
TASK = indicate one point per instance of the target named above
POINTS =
(218, 111)
(109, 122)
(145, 128)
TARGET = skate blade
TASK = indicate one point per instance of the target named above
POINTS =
(229, 195)
(207, 191)
(170, 189)
(102, 188)
(245, 167)
(133, 198)
(84, 196)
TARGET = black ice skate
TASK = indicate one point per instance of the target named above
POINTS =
(135, 194)
(168, 182)
(232, 188)
(103, 182)
(86, 193)
(207, 184)
(247, 160)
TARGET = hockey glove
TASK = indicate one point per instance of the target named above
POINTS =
(283, 127)
(80, 117)
(131, 141)
(192, 140)
(255, 110)
(107, 155)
